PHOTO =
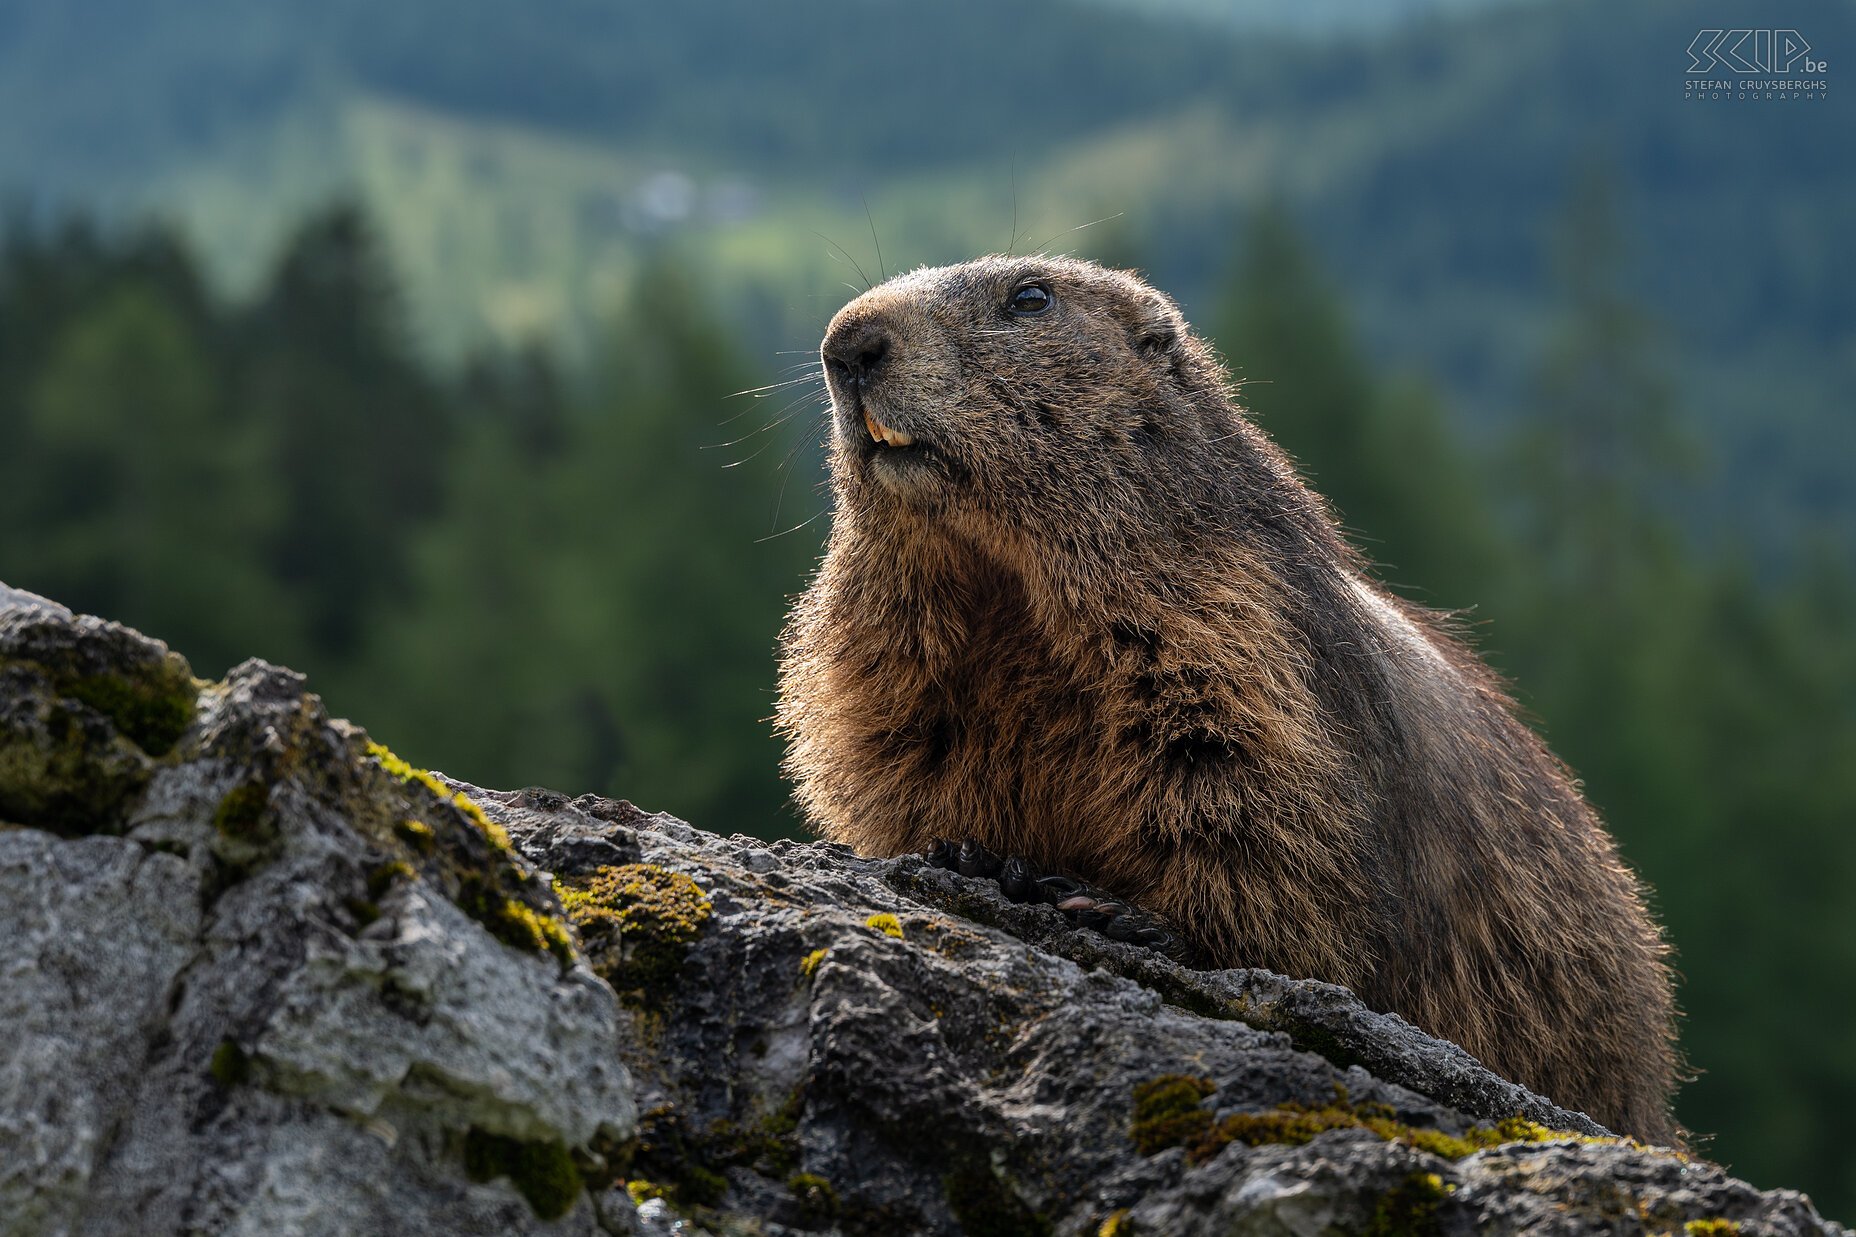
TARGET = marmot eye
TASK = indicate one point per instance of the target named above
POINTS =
(1033, 298)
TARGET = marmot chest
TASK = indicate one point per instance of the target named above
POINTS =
(1008, 745)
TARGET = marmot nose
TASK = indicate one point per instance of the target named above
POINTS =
(855, 349)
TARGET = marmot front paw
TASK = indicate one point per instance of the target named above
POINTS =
(1083, 904)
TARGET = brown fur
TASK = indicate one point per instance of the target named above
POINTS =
(1094, 619)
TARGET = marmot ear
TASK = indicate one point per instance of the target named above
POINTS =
(1157, 340)
(1157, 331)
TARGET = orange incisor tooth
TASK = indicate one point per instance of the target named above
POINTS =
(870, 424)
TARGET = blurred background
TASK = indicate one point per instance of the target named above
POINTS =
(401, 343)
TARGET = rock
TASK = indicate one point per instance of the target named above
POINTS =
(265, 977)
(243, 994)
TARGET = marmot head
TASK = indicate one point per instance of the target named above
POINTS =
(1006, 387)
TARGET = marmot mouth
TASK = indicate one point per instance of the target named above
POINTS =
(884, 452)
(886, 434)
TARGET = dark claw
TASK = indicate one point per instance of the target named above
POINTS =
(1129, 928)
(942, 853)
(976, 860)
(1018, 881)
(1056, 889)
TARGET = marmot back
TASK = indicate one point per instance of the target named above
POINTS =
(1077, 608)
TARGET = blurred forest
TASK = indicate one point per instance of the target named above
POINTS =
(523, 162)
(519, 574)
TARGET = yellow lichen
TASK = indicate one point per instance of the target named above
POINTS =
(417, 834)
(1716, 1227)
(513, 921)
(885, 923)
(1168, 1113)
(410, 774)
(808, 965)
(495, 889)
(637, 921)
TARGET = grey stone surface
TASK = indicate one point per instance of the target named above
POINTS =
(272, 982)
(215, 1018)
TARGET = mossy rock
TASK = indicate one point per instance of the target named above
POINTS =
(542, 1171)
(230, 1066)
(637, 921)
(63, 765)
(1409, 1209)
(147, 692)
(1169, 1112)
(818, 1201)
(86, 707)
(151, 710)
(445, 836)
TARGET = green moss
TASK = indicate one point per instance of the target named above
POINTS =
(766, 1146)
(689, 1167)
(808, 965)
(1168, 1113)
(700, 1186)
(885, 923)
(1716, 1227)
(817, 1200)
(1117, 1225)
(151, 711)
(637, 921)
(1409, 1209)
(777, 1155)
(240, 815)
(686, 1169)
(245, 831)
(91, 709)
(383, 877)
(784, 1121)
(985, 1207)
(230, 1065)
(364, 911)
(417, 834)
(65, 770)
(542, 1172)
